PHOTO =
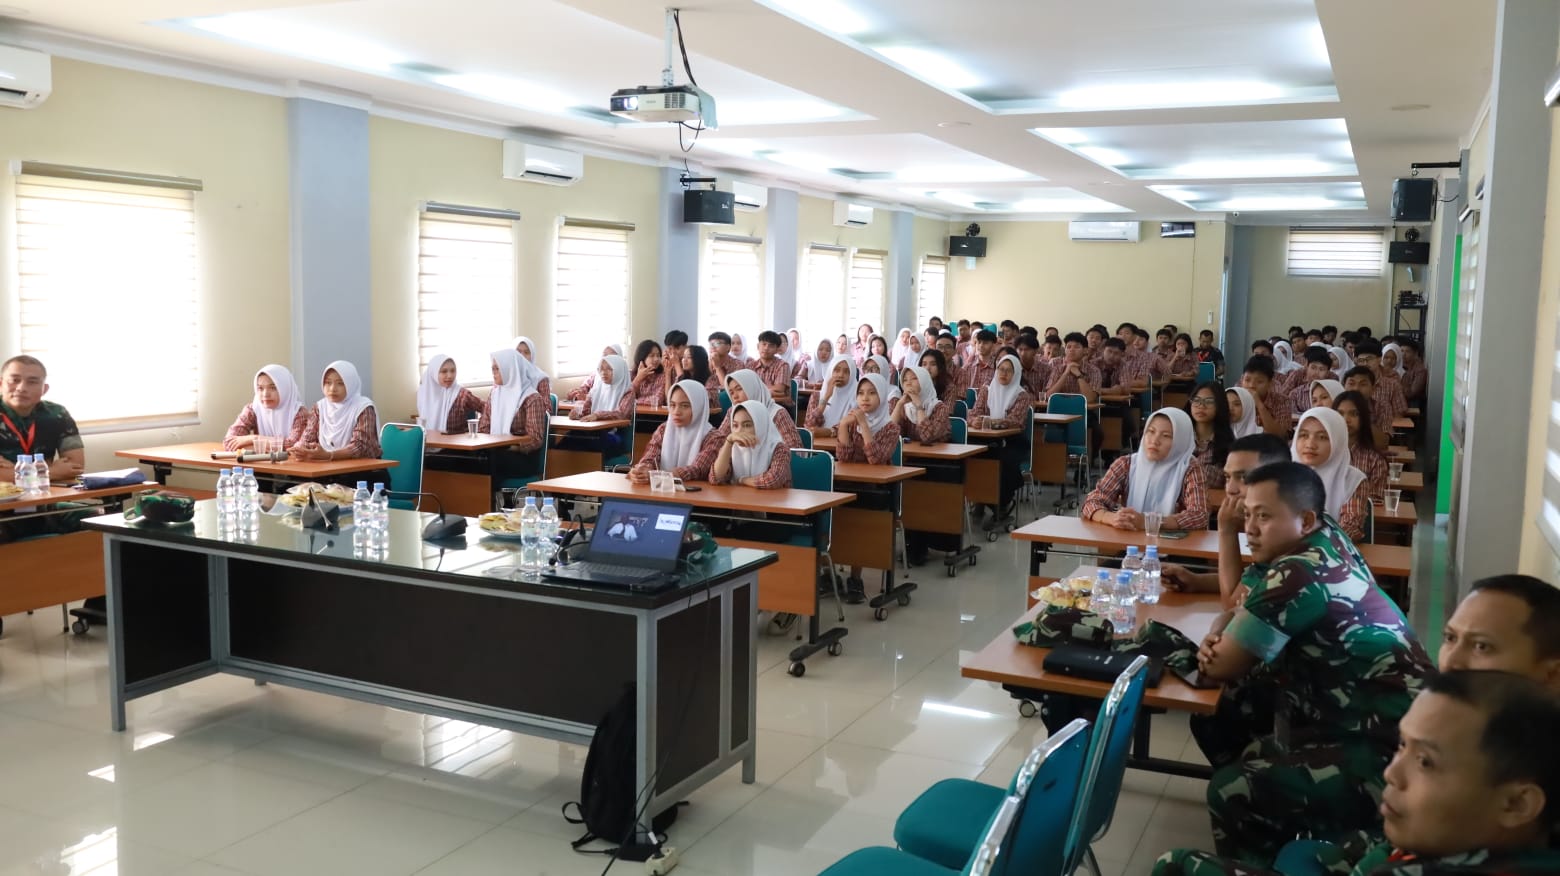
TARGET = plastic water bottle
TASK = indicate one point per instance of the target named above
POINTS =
(549, 541)
(1103, 600)
(1148, 586)
(362, 515)
(1126, 604)
(1133, 563)
(248, 499)
(227, 498)
(379, 513)
(22, 474)
(40, 475)
(530, 536)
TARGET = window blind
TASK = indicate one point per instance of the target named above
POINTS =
(864, 302)
(1468, 298)
(1353, 252)
(930, 297)
(731, 296)
(465, 289)
(94, 258)
(590, 293)
(825, 299)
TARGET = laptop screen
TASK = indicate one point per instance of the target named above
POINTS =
(644, 534)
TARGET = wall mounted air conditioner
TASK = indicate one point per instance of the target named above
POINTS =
(542, 164)
(25, 77)
(852, 215)
(1108, 232)
(750, 198)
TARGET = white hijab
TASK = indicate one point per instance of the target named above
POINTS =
(680, 445)
(756, 391)
(1333, 387)
(536, 352)
(520, 380)
(998, 397)
(433, 400)
(1338, 475)
(337, 419)
(789, 356)
(617, 350)
(896, 353)
(1284, 355)
(1248, 423)
(818, 370)
(879, 418)
(917, 409)
(738, 349)
(844, 397)
(1399, 350)
(1155, 486)
(607, 396)
(1344, 362)
(277, 422)
(750, 462)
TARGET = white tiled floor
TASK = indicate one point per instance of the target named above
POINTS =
(222, 777)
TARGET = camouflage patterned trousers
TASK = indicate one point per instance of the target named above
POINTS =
(1272, 794)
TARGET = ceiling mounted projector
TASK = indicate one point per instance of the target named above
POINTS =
(678, 104)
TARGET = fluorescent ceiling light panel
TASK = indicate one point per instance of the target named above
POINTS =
(288, 38)
(777, 112)
(1155, 94)
(1065, 205)
(1102, 155)
(1260, 167)
(961, 173)
(507, 91)
(830, 16)
(1064, 136)
(932, 66)
(955, 198)
(1261, 204)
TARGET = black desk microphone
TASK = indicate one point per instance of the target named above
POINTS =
(442, 526)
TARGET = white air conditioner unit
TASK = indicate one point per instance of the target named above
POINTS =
(542, 164)
(1109, 232)
(852, 215)
(749, 198)
(25, 77)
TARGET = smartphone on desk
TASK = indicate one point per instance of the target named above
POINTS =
(1173, 534)
(691, 488)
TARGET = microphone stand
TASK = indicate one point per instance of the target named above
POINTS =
(441, 527)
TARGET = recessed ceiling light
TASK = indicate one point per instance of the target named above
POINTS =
(1252, 168)
(288, 38)
(1064, 136)
(1410, 107)
(1181, 195)
(1151, 94)
(777, 112)
(953, 124)
(504, 90)
(1064, 205)
(827, 15)
(1108, 157)
(931, 66)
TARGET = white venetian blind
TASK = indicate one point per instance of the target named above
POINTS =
(99, 253)
(824, 309)
(1468, 298)
(465, 287)
(864, 301)
(731, 296)
(930, 300)
(590, 307)
(1328, 252)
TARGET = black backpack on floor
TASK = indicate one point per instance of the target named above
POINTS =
(609, 799)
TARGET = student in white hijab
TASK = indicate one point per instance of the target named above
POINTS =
(834, 399)
(745, 385)
(533, 354)
(752, 454)
(678, 444)
(514, 380)
(997, 403)
(1284, 358)
(582, 392)
(442, 403)
(344, 424)
(900, 349)
(1243, 412)
(612, 397)
(1325, 392)
(1397, 358)
(1159, 477)
(276, 412)
(820, 365)
(877, 364)
(1342, 359)
(1322, 443)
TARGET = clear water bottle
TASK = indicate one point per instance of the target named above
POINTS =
(361, 514)
(530, 536)
(1133, 563)
(379, 513)
(1103, 600)
(40, 474)
(22, 474)
(1148, 583)
(549, 539)
(227, 498)
(248, 499)
(1126, 604)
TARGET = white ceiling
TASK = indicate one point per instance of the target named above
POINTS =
(1288, 108)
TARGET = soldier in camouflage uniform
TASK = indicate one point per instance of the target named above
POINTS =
(1345, 662)
(1473, 790)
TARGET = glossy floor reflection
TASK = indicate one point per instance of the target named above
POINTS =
(222, 777)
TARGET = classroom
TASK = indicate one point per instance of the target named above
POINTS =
(779, 437)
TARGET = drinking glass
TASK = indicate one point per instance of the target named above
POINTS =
(1152, 520)
(471, 427)
(1394, 471)
(1391, 499)
(660, 481)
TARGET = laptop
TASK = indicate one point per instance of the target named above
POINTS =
(634, 545)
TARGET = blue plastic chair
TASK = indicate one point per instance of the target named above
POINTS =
(1076, 434)
(725, 401)
(969, 398)
(1206, 372)
(807, 438)
(1109, 747)
(403, 442)
(961, 410)
(626, 437)
(552, 404)
(988, 859)
(1026, 465)
(944, 824)
(814, 470)
(958, 430)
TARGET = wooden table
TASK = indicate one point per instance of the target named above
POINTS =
(865, 536)
(1411, 482)
(197, 455)
(563, 461)
(791, 585)
(1402, 423)
(1405, 516)
(463, 493)
(1045, 418)
(1383, 559)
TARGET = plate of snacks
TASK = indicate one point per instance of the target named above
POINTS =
(500, 525)
(1068, 593)
(298, 496)
(10, 491)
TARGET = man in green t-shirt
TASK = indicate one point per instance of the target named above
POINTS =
(30, 425)
(1346, 666)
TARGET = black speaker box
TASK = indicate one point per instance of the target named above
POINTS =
(974, 247)
(1402, 252)
(1413, 200)
(707, 207)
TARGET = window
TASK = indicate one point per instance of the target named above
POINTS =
(590, 293)
(731, 296)
(1467, 306)
(824, 302)
(99, 253)
(465, 287)
(1333, 252)
(930, 298)
(865, 300)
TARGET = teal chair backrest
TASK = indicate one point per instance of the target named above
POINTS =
(1146, 402)
(1109, 746)
(969, 398)
(1028, 460)
(958, 430)
(552, 404)
(814, 470)
(725, 401)
(1047, 785)
(961, 410)
(796, 388)
(626, 435)
(806, 436)
(1077, 430)
(403, 442)
(1205, 372)
(990, 858)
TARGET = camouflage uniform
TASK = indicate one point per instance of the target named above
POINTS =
(1378, 859)
(1346, 666)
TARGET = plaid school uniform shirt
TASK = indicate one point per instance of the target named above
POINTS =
(1111, 494)
(530, 422)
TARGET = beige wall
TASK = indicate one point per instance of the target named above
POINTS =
(1034, 274)
(1279, 301)
(233, 141)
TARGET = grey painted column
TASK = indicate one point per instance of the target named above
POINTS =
(678, 304)
(1490, 521)
(782, 255)
(1235, 342)
(900, 276)
(332, 302)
